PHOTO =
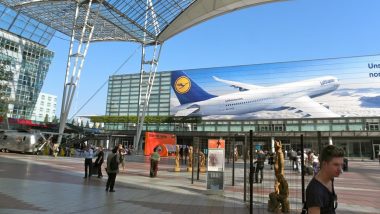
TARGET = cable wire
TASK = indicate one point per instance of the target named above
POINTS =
(105, 82)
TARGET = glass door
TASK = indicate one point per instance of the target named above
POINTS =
(376, 149)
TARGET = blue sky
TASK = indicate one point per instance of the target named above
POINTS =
(276, 32)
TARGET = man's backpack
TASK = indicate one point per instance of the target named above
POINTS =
(114, 165)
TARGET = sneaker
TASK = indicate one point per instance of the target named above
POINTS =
(106, 189)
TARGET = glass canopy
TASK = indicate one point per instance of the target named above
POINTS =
(143, 21)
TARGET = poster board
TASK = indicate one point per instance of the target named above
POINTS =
(215, 164)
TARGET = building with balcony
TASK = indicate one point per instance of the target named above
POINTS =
(46, 106)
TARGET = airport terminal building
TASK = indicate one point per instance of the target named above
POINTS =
(327, 101)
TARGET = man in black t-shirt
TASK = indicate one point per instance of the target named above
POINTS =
(99, 161)
(320, 194)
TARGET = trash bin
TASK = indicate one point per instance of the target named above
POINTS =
(345, 164)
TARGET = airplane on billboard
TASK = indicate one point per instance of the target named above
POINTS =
(194, 101)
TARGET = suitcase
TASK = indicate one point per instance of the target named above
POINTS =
(94, 170)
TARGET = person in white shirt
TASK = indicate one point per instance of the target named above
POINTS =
(88, 154)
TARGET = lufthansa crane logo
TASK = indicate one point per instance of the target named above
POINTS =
(182, 85)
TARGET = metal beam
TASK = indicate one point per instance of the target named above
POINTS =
(73, 73)
(152, 67)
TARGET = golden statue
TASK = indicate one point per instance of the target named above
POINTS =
(176, 168)
(190, 164)
(279, 163)
(278, 200)
(202, 159)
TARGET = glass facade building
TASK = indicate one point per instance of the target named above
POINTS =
(123, 95)
(23, 52)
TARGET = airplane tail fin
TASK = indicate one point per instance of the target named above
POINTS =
(186, 90)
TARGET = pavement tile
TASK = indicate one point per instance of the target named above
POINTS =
(55, 185)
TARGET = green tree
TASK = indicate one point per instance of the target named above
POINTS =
(46, 120)
(55, 119)
(88, 124)
(81, 123)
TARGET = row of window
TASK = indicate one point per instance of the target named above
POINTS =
(250, 101)
(136, 77)
(245, 128)
(137, 80)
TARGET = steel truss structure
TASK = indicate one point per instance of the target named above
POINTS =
(148, 22)
(84, 31)
(146, 82)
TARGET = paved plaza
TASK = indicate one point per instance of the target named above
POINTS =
(31, 184)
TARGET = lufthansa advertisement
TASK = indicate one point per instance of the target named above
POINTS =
(329, 88)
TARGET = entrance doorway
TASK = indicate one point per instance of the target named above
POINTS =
(376, 149)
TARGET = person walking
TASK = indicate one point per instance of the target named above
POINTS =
(88, 154)
(320, 194)
(99, 161)
(271, 159)
(236, 153)
(181, 154)
(154, 159)
(186, 153)
(260, 166)
(112, 169)
(122, 154)
(293, 158)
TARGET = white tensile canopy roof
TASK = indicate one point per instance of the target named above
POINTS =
(143, 21)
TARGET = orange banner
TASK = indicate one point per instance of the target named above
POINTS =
(161, 140)
(216, 143)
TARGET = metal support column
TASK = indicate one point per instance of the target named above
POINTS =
(272, 144)
(233, 162)
(303, 170)
(319, 139)
(250, 171)
(245, 167)
(148, 67)
(85, 31)
(146, 82)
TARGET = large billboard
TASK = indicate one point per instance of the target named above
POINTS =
(342, 87)
(165, 143)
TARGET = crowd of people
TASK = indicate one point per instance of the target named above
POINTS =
(115, 162)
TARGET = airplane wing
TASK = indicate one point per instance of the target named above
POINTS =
(185, 112)
(239, 85)
(312, 108)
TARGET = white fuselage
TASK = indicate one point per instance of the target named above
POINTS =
(266, 98)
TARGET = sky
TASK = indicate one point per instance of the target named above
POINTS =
(276, 32)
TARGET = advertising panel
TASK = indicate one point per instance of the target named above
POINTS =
(215, 160)
(315, 88)
(164, 142)
(215, 164)
(216, 143)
